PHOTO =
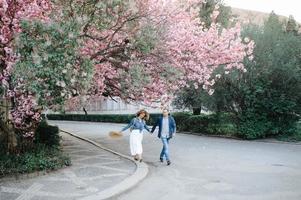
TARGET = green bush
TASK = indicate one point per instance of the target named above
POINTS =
(200, 123)
(292, 137)
(47, 134)
(181, 120)
(39, 158)
(213, 124)
(253, 126)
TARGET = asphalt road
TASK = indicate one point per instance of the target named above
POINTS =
(206, 168)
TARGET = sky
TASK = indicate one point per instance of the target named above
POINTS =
(286, 8)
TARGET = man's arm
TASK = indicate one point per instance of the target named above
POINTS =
(174, 125)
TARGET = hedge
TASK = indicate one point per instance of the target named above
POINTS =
(205, 124)
(113, 118)
(213, 124)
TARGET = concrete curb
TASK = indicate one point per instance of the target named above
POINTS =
(139, 174)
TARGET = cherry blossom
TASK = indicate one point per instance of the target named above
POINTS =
(144, 51)
(24, 114)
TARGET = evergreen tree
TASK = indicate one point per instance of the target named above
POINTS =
(225, 13)
(291, 25)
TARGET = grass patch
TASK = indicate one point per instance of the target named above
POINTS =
(40, 158)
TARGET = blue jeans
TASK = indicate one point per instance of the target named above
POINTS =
(164, 151)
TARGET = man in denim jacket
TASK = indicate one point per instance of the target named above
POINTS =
(167, 129)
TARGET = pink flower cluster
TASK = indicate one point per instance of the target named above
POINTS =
(11, 14)
(103, 53)
(195, 50)
(185, 52)
(25, 114)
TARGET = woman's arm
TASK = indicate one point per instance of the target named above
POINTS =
(154, 127)
(128, 126)
(146, 127)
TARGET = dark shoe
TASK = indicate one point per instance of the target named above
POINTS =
(135, 158)
(161, 159)
(168, 162)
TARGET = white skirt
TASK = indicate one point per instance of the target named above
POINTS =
(136, 142)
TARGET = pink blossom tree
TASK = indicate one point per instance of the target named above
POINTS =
(155, 47)
(23, 111)
(196, 50)
(139, 50)
(11, 13)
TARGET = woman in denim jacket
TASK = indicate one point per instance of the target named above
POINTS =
(136, 126)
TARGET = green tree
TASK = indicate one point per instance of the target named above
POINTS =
(291, 25)
(50, 66)
(191, 98)
(266, 99)
(225, 13)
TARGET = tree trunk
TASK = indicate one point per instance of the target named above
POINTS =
(7, 134)
(8, 137)
(3, 135)
(196, 111)
(84, 109)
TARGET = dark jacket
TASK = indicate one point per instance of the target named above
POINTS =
(172, 126)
